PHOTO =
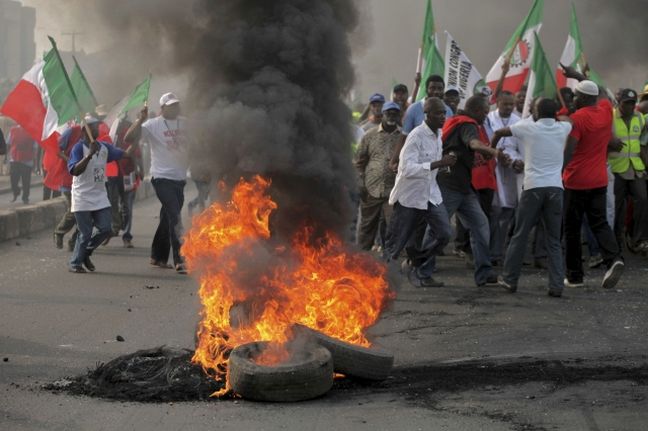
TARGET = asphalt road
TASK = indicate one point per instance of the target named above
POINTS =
(466, 358)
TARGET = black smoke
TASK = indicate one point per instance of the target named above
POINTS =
(266, 82)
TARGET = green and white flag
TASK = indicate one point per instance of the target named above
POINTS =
(541, 78)
(460, 72)
(81, 87)
(430, 61)
(137, 98)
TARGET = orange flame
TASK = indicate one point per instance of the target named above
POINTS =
(252, 290)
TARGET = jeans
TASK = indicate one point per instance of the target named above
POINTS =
(462, 241)
(87, 242)
(636, 189)
(402, 225)
(593, 204)
(20, 173)
(501, 221)
(169, 231)
(127, 200)
(470, 213)
(371, 210)
(545, 204)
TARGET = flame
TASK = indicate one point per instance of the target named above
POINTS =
(254, 290)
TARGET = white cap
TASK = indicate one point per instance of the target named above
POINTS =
(89, 119)
(101, 110)
(168, 99)
(588, 87)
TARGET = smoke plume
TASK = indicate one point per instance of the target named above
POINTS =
(266, 81)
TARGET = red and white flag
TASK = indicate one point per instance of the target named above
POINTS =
(518, 52)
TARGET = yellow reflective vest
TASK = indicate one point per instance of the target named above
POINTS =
(630, 136)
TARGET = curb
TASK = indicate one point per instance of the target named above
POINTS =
(7, 189)
(29, 219)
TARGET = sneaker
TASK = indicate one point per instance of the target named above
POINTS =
(507, 286)
(573, 283)
(128, 244)
(406, 267)
(595, 261)
(180, 268)
(554, 293)
(430, 282)
(58, 240)
(612, 276)
(77, 269)
(88, 264)
(459, 253)
(491, 279)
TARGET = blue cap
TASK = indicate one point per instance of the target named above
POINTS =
(377, 98)
(391, 105)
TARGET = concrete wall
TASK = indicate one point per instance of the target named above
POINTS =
(29, 219)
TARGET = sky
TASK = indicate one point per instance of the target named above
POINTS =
(386, 43)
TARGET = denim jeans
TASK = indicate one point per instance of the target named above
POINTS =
(470, 213)
(539, 204)
(169, 231)
(402, 225)
(593, 204)
(87, 242)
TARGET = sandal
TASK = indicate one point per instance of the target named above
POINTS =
(159, 264)
(180, 268)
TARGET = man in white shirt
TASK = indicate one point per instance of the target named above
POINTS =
(506, 196)
(416, 193)
(543, 143)
(90, 204)
(167, 138)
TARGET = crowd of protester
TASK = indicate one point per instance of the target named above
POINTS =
(505, 187)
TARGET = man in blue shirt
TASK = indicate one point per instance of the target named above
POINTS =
(90, 204)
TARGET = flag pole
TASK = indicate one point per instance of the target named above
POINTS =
(69, 83)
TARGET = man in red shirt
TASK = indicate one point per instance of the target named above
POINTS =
(585, 178)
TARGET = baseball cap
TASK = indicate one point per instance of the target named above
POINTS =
(377, 97)
(168, 99)
(628, 94)
(451, 89)
(644, 93)
(391, 105)
(400, 87)
(90, 119)
(588, 88)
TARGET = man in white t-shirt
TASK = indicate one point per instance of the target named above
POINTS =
(167, 138)
(90, 204)
(543, 144)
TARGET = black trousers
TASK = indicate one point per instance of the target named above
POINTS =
(169, 231)
(20, 174)
(592, 203)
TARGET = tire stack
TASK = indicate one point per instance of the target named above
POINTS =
(309, 374)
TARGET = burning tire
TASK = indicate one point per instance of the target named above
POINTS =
(355, 361)
(308, 375)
